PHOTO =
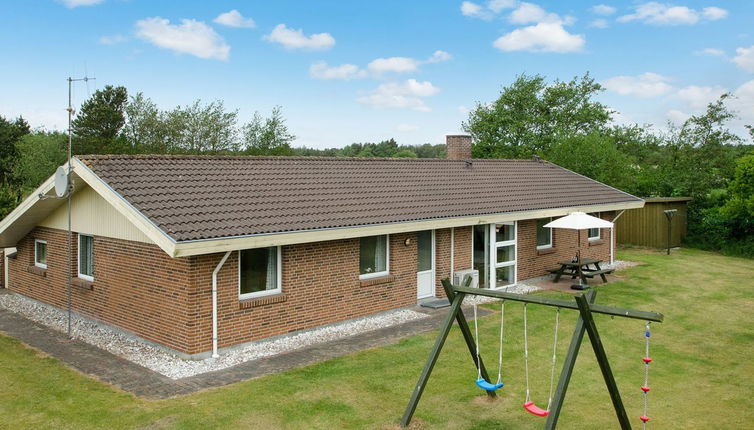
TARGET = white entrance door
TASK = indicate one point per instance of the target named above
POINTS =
(503, 240)
(425, 275)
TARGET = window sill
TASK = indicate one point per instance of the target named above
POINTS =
(377, 281)
(262, 301)
(594, 242)
(545, 251)
(82, 284)
(37, 271)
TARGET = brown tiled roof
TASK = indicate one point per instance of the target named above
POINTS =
(204, 197)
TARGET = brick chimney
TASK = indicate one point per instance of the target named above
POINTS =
(458, 146)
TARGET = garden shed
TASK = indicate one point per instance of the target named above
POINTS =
(648, 226)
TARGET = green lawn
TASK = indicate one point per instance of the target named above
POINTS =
(702, 376)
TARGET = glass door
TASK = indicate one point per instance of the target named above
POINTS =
(503, 237)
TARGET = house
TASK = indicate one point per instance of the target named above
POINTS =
(196, 253)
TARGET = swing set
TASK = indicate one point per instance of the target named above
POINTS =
(584, 304)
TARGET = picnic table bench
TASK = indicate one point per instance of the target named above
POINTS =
(571, 268)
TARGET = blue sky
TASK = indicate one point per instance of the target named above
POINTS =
(365, 71)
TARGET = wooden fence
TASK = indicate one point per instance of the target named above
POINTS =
(648, 226)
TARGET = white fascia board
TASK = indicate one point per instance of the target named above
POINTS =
(209, 246)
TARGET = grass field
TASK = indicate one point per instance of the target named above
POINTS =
(702, 376)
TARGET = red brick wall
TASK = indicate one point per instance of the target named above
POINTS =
(168, 300)
(136, 285)
(533, 263)
(2, 269)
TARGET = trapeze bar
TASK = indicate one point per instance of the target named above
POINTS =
(600, 309)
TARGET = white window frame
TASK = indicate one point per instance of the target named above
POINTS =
(536, 233)
(89, 278)
(385, 272)
(494, 245)
(255, 294)
(36, 255)
(599, 230)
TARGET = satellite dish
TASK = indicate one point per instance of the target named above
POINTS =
(61, 182)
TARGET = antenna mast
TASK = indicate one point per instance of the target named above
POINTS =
(70, 188)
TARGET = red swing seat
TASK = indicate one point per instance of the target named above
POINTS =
(535, 410)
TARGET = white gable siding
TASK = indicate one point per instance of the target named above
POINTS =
(91, 214)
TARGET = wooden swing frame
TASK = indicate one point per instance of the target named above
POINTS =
(583, 303)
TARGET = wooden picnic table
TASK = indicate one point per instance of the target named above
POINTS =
(572, 268)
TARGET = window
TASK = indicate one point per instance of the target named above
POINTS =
(373, 256)
(544, 234)
(594, 233)
(40, 253)
(259, 272)
(86, 260)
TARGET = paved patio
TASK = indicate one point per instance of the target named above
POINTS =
(142, 382)
(564, 285)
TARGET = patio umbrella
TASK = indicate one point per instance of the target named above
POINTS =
(579, 221)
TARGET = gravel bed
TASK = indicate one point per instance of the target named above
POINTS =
(174, 367)
(621, 264)
(519, 288)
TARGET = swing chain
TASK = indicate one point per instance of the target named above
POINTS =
(500, 357)
(476, 341)
(554, 356)
(526, 355)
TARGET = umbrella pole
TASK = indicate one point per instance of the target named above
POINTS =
(580, 285)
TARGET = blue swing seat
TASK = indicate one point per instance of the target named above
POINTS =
(483, 384)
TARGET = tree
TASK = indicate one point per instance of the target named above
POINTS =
(10, 133)
(98, 124)
(405, 153)
(39, 154)
(268, 136)
(595, 156)
(10, 184)
(530, 116)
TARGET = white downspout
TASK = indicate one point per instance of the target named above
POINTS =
(452, 251)
(214, 303)
(612, 240)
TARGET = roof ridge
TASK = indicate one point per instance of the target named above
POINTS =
(285, 157)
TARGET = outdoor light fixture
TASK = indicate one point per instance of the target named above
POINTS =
(407, 242)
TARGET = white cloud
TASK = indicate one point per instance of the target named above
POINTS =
(474, 10)
(714, 13)
(677, 117)
(743, 101)
(698, 97)
(527, 13)
(380, 66)
(542, 37)
(599, 23)
(603, 9)
(76, 3)
(439, 56)
(645, 85)
(393, 64)
(401, 95)
(664, 14)
(112, 40)
(744, 58)
(234, 18)
(344, 72)
(406, 128)
(711, 51)
(498, 5)
(191, 37)
(493, 7)
(296, 39)
(463, 110)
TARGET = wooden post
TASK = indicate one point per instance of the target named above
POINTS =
(568, 364)
(430, 364)
(599, 352)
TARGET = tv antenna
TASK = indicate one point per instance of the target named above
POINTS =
(67, 193)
